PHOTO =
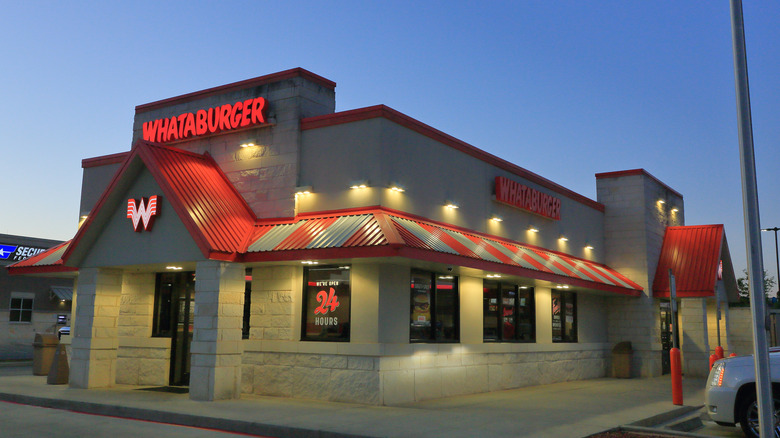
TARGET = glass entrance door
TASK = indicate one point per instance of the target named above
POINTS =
(174, 315)
(666, 336)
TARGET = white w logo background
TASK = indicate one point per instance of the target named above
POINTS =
(143, 211)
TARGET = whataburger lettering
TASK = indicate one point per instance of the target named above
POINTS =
(211, 121)
(520, 196)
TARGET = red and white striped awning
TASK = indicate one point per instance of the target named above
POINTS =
(365, 230)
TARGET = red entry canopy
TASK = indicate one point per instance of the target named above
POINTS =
(694, 254)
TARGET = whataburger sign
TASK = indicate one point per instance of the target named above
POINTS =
(204, 122)
(517, 195)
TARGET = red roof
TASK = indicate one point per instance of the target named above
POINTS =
(49, 261)
(693, 253)
(224, 228)
(211, 209)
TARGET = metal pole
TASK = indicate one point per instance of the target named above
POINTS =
(752, 226)
(673, 298)
(777, 258)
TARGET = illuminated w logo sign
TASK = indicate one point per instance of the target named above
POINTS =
(140, 212)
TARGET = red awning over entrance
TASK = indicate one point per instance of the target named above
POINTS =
(698, 257)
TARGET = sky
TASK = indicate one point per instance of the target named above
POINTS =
(565, 89)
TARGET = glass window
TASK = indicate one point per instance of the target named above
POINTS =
(21, 309)
(564, 316)
(326, 297)
(434, 308)
(508, 313)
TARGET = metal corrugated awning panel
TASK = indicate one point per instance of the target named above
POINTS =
(319, 233)
(364, 231)
(62, 292)
(438, 238)
(693, 253)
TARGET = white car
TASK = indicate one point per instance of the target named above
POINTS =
(730, 396)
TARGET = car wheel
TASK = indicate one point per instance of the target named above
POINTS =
(748, 417)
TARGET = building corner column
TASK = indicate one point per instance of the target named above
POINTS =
(694, 337)
(215, 370)
(95, 342)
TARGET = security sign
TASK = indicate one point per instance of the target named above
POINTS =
(16, 253)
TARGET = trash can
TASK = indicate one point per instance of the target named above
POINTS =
(44, 346)
(621, 360)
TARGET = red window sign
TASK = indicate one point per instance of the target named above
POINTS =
(327, 301)
(517, 195)
(211, 121)
(142, 212)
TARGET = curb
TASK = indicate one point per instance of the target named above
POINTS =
(178, 419)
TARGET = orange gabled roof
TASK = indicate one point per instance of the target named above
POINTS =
(214, 213)
(693, 253)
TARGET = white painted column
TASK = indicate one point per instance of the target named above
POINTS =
(94, 345)
(215, 368)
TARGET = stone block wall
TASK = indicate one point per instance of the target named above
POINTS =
(740, 331)
(391, 380)
(694, 338)
(272, 303)
(143, 366)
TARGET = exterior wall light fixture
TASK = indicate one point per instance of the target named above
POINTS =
(248, 143)
(302, 190)
(533, 229)
(496, 218)
(359, 185)
(675, 210)
(451, 205)
(588, 247)
(563, 239)
(397, 188)
(661, 201)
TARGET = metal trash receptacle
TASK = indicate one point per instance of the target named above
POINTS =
(621, 360)
(44, 346)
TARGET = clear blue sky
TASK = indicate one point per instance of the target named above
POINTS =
(565, 89)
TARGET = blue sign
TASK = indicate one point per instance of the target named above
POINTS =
(6, 251)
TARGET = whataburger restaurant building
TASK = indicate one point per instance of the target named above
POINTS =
(253, 240)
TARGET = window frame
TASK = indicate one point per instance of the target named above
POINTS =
(305, 304)
(565, 297)
(500, 287)
(432, 339)
(23, 297)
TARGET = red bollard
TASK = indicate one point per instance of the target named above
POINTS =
(676, 365)
(719, 352)
(713, 358)
(733, 355)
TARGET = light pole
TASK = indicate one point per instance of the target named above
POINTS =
(777, 259)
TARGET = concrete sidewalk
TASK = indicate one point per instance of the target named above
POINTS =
(571, 409)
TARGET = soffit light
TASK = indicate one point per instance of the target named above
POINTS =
(310, 262)
(562, 286)
(446, 277)
(174, 268)
(248, 143)
(493, 276)
(523, 287)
